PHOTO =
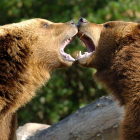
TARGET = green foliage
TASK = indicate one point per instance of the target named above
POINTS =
(67, 90)
(75, 87)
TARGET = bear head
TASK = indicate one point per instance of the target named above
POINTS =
(104, 42)
(40, 41)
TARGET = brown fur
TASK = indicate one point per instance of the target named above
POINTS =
(29, 51)
(117, 60)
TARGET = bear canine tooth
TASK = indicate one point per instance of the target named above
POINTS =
(77, 55)
(80, 53)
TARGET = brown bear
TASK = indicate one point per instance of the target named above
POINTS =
(114, 51)
(29, 52)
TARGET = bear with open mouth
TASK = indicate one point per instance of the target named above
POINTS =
(113, 49)
(29, 52)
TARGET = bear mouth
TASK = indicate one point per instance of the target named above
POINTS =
(65, 56)
(89, 43)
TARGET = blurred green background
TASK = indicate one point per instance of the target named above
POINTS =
(74, 87)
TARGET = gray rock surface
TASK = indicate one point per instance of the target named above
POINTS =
(99, 120)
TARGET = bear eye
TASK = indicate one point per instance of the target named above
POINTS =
(107, 25)
(46, 25)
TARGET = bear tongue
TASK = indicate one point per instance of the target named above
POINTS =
(89, 45)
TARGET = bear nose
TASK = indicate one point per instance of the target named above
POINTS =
(72, 23)
(82, 20)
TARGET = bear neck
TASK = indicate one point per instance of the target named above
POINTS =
(16, 92)
(19, 76)
(122, 77)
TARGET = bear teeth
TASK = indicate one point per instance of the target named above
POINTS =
(81, 36)
(86, 54)
(70, 39)
(66, 56)
(79, 54)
